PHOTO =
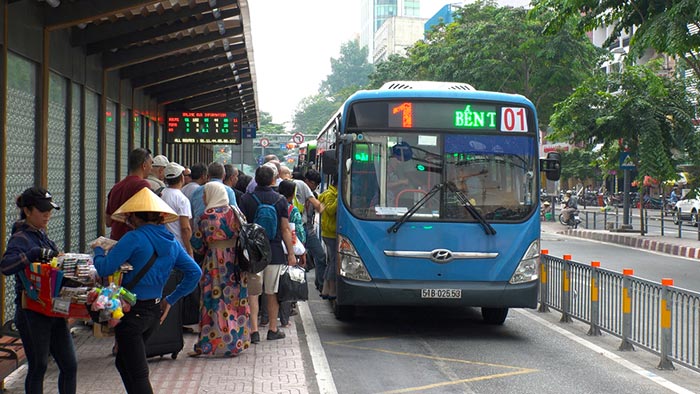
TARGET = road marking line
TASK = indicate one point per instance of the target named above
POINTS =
(453, 382)
(324, 377)
(612, 356)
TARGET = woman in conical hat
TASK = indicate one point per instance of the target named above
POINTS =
(146, 212)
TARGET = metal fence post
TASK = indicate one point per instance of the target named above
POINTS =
(680, 222)
(626, 310)
(544, 291)
(566, 290)
(666, 315)
(594, 330)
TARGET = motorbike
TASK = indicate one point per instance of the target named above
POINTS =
(574, 219)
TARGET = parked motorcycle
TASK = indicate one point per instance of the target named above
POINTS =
(574, 219)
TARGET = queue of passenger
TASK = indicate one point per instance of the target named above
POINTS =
(163, 216)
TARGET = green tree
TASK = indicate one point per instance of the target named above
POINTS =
(350, 70)
(500, 49)
(578, 164)
(395, 68)
(659, 25)
(267, 127)
(349, 73)
(313, 113)
(635, 110)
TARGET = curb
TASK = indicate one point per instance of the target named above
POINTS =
(636, 242)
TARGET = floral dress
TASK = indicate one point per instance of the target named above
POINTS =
(224, 310)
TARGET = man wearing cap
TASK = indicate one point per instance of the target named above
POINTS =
(140, 163)
(173, 196)
(157, 174)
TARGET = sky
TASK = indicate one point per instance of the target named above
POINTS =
(294, 41)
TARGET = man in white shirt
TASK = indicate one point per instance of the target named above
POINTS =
(174, 197)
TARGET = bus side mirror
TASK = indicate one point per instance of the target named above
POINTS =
(551, 166)
(329, 160)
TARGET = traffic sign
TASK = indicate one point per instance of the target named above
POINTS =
(264, 142)
(298, 138)
(626, 162)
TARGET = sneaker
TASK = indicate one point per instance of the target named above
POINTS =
(264, 321)
(255, 337)
(272, 335)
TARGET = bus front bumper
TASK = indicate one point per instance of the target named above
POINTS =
(397, 293)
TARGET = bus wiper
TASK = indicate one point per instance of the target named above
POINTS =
(395, 227)
(470, 208)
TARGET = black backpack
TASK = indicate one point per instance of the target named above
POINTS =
(253, 246)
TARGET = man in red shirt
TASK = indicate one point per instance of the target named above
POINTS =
(140, 163)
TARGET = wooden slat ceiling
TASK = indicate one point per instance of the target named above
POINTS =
(186, 54)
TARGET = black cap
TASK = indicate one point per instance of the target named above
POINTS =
(37, 197)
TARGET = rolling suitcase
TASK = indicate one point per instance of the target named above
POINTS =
(167, 339)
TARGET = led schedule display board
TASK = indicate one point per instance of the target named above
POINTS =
(190, 127)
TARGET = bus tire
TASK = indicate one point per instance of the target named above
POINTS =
(343, 312)
(494, 316)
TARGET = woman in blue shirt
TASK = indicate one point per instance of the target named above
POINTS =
(41, 335)
(146, 212)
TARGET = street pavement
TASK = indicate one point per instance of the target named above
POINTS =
(668, 243)
(281, 366)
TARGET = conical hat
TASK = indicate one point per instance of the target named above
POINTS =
(145, 201)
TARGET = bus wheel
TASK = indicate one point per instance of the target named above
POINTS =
(494, 316)
(343, 312)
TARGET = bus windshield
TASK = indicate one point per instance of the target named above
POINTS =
(388, 174)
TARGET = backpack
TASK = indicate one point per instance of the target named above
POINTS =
(253, 247)
(266, 217)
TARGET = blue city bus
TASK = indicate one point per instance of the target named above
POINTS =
(438, 198)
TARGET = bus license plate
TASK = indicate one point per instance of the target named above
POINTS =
(441, 293)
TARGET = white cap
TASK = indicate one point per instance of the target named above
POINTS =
(173, 170)
(160, 161)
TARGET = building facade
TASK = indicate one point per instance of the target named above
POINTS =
(395, 35)
(375, 12)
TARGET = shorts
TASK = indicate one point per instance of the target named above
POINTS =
(270, 277)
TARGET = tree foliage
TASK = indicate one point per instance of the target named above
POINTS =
(349, 73)
(660, 25)
(636, 111)
(313, 113)
(578, 164)
(350, 70)
(499, 49)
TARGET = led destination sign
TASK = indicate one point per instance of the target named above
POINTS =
(439, 114)
(203, 128)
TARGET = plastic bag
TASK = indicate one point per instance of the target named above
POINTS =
(292, 285)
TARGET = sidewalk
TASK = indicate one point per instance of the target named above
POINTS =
(668, 243)
(280, 366)
(267, 367)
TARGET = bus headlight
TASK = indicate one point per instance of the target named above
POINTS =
(528, 269)
(351, 265)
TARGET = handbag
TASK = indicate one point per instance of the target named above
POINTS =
(292, 284)
(253, 246)
(96, 315)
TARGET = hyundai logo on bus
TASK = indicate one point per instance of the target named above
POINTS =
(441, 256)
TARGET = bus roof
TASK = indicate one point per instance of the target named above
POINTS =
(433, 89)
